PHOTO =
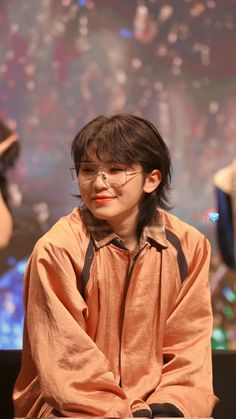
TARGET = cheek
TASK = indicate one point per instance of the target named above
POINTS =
(83, 192)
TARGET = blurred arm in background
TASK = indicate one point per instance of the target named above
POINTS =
(9, 151)
(6, 223)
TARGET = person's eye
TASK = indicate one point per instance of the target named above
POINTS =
(87, 169)
(116, 169)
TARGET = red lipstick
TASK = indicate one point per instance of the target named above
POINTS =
(102, 199)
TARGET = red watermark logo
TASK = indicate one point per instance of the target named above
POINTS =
(209, 215)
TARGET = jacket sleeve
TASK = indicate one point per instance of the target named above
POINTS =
(73, 373)
(185, 389)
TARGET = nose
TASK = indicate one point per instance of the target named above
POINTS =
(100, 179)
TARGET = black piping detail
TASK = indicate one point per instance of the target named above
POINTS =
(118, 243)
(165, 410)
(183, 266)
(84, 276)
(142, 413)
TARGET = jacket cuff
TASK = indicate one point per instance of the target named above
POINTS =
(164, 410)
(142, 413)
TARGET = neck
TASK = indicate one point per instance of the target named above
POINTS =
(126, 230)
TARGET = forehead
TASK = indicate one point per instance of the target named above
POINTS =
(97, 155)
(94, 154)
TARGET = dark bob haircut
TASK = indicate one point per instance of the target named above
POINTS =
(127, 139)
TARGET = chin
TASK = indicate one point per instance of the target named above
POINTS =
(102, 214)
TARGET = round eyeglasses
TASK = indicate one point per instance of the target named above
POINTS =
(114, 175)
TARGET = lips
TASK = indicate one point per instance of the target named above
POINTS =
(102, 196)
(102, 199)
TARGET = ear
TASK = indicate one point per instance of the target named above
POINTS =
(152, 180)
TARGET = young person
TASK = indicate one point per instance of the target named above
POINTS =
(118, 313)
(9, 151)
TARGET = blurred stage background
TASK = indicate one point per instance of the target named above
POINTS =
(64, 62)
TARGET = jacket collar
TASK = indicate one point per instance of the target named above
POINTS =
(103, 234)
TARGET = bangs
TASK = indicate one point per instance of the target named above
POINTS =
(111, 144)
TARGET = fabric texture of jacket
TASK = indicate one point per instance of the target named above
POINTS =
(137, 343)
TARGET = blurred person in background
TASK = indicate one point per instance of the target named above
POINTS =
(225, 191)
(9, 152)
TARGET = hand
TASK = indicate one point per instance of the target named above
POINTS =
(7, 143)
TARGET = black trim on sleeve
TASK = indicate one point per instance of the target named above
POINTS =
(164, 410)
(142, 413)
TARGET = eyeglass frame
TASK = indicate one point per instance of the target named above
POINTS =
(103, 175)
